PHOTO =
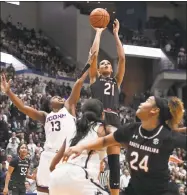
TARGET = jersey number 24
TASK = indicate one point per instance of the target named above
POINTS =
(109, 89)
(143, 164)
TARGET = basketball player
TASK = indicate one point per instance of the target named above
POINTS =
(105, 87)
(17, 172)
(79, 176)
(149, 145)
(59, 124)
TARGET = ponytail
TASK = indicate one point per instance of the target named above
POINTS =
(87, 120)
(176, 109)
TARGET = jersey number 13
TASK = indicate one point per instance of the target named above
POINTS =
(56, 126)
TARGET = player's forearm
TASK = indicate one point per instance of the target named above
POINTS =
(7, 180)
(96, 42)
(58, 157)
(181, 130)
(120, 50)
(16, 101)
(114, 191)
(29, 176)
(100, 143)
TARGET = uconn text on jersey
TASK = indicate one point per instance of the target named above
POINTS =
(54, 117)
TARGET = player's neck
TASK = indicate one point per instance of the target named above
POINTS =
(22, 157)
(149, 125)
(105, 76)
(55, 110)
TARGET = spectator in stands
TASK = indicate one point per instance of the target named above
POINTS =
(124, 179)
(14, 137)
(12, 147)
(8, 159)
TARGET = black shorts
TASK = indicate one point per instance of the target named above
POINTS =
(17, 189)
(130, 191)
(112, 119)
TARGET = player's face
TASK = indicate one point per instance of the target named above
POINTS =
(105, 68)
(147, 109)
(23, 150)
(57, 102)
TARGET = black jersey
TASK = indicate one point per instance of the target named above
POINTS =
(21, 167)
(106, 90)
(148, 154)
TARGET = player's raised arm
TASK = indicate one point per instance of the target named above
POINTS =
(75, 93)
(93, 73)
(120, 51)
(31, 112)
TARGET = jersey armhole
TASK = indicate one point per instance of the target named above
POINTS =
(96, 77)
(45, 116)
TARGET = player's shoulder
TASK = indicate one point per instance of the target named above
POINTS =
(14, 162)
(131, 126)
(15, 158)
(125, 132)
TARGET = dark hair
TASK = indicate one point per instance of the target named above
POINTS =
(92, 111)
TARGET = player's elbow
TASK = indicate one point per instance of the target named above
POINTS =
(122, 59)
(80, 81)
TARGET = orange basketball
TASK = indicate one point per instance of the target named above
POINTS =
(99, 18)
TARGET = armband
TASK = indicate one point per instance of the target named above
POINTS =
(114, 165)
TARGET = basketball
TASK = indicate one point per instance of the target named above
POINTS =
(99, 18)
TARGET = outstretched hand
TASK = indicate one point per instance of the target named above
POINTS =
(99, 29)
(116, 26)
(76, 150)
(5, 86)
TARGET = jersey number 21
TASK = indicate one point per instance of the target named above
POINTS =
(109, 89)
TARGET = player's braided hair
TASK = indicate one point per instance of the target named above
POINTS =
(171, 111)
(176, 109)
(92, 112)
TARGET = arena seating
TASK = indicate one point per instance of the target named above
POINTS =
(33, 49)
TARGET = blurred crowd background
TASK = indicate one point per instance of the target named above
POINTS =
(33, 48)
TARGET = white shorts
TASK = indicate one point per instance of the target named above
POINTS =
(69, 179)
(43, 172)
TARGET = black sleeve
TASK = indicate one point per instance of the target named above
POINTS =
(124, 133)
(179, 140)
(14, 162)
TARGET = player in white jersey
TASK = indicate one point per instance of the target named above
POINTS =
(59, 124)
(79, 176)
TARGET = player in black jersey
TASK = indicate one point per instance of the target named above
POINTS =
(149, 145)
(17, 172)
(105, 87)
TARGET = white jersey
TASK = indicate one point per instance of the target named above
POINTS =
(90, 160)
(58, 127)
